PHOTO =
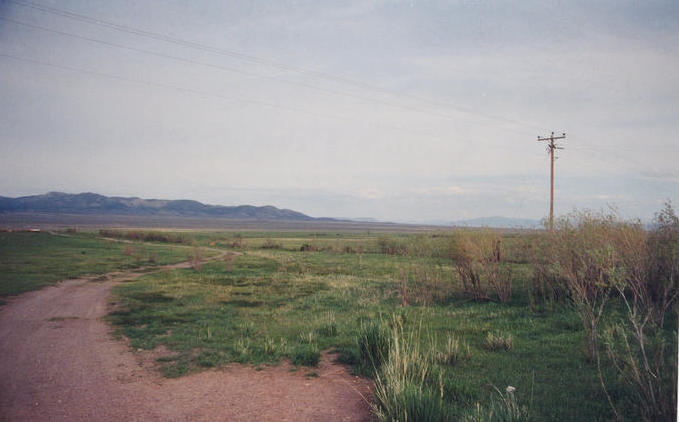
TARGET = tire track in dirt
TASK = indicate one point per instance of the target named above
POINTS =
(59, 362)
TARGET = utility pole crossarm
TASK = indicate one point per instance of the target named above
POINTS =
(552, 137)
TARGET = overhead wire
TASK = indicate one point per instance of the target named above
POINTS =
(204, 94)
(246, 58)
(220, 67)
(186, 90)
(267, 62)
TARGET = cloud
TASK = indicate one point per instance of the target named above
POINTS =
(670, 175)
(446, 191)
(464, 89)
(369, 193)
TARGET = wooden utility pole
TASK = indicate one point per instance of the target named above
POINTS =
(551, 146)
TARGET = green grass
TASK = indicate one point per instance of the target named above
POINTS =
(278, 304)
(30, 261)
(273, 304)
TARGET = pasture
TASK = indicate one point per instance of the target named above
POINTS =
(32, 260)
(451, 325)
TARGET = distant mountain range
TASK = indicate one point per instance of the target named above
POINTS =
(95, 204)
(92, 203)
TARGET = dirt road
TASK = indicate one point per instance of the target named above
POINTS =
(58, 361)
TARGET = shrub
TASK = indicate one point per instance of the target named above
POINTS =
(645, 364)
(641, 347)
(548, 286)
(602, 258)
(237, 241)
(196, 260)
(500, 278)
(478, 256)
(270, 244)
(228, 259)
(391, 245)
(144, 236)
(585, 255)
(663, 266)
(307, 247)
(468, 267)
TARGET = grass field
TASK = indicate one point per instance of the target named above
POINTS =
(276, 301)
(291, 295)
(32, 260)
(292, 305)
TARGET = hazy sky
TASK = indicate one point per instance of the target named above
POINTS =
(397, 110)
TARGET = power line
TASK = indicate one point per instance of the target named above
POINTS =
(204, 94)
(265, 62)
(220, 67)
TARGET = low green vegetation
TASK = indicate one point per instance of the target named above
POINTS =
(284, 304)
(32, 260)
(471, 325)
(145, 236)
(462, 315)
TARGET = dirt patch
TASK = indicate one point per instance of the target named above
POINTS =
(60, 362)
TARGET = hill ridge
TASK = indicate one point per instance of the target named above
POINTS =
(94, 203)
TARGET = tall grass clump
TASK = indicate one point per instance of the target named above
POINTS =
(373, 345)
(499, 341)
(502, 408)
(403, 387)
(455, 351)
(403, 291)
(306, 355)
(327, 326)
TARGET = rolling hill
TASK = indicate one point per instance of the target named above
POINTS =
(92, 203)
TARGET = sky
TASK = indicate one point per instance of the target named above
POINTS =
(409, 111)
